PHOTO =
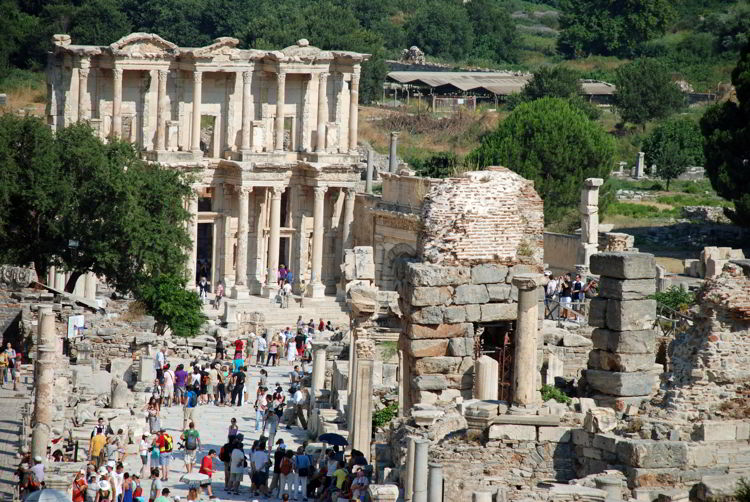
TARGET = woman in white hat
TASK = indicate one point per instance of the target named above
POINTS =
(105, 492)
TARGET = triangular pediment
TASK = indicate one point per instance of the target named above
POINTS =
(222, 46)
(143, 45)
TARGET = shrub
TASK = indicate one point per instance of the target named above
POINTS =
(173, 306)
(676, 298)
(383, 417)
(552, 392)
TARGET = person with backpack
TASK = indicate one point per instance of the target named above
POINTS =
(192, 440)
(225, 455)
(239, 386)
(188, 412)
(260, 462)
(287, 477)
(278, 457)
(302, 468)
(238, 464)
(166, 445)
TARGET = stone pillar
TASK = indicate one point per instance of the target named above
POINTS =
(280, 103)
(117, 102)
(44, 382)
(193, 232)
(486, 378)
(663, 282)
(392, 153)
(240, 267)
(84, 105)
(51, 276)
(525, 388)
(60, 279)
(120, 396)
(353, 109)
(421, 455)
(319, 367)
(346, 231)
(247, 97)
(640, 166)
(435, 483)
(274, 239)
(589, 209)
(370, 168)
(89, 289)
(316, 289)
(383, 493)
(362, 403)
(161, 111)
(195, 138)
(409, 481)
(401, 382)
(320, 144)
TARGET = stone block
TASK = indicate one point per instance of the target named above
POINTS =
(628, 342)
(427, 315)
(650, 454)
(599, 420)
(575, 340)
(499, 312)
(417, 331)
(471, 293)
(454, 313)
(499, 292)
(434, 295)
(437, 365)
(621, 384)
(628, 315)
(488, 273)
(585, 404)
(715, 430)
(515, 432)
(473, 313)
(364, 263)
(598, 312)
(428, 348)
(483, 409)
(461, 347)
(582, 438)
(743, 431)
(626, 289)
(427, 274)
(555, 434)
(430, 382)
(606, 442)
(610, 361)
(622, 265)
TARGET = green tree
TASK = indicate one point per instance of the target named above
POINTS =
(645, 91)
(553, 82)
(726, 129)
(611, 28)
(495, 35)
(555, 145)
(673, 146)
(172, 306)
(437, 165)
(441, 28)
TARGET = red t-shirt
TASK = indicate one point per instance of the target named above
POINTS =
(79, 490)
(238, 345)
(207, 466)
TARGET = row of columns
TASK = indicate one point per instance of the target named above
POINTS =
(84, 107)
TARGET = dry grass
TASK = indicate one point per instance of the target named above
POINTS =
(136, 310)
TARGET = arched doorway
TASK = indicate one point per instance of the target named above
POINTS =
(394, 265)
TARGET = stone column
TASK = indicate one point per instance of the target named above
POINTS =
(589, 209)
(44, 383)
(346, 231)
(316, 289)
(195, 138)
(193, 232)
(353, 109)
(486, 378)
(51, 276)
(240, 267)
(640, 166)
(60, 279)
(84, 106)
(320, 145)
(370, 168)
(274, 238)
(392, 153)
(161, 111)
(421, 455)
(525, 389)
(89, 289)
(362, 403)
(280, 103)
(247, 124)
(409, 481)
(319, 367)
(383, 493)
(117, 102)
(401, 382)
(435, 483)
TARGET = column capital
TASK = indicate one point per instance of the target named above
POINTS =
(527, 282)
(198, 76)
(351, 192)
(323, 76)
(355, 80)
(276, 192)
(247, 75)
(84, 63)
(163, 74)
(281, 77)
(365, 348)
(319, 192)
(117, 73)
(243, 191)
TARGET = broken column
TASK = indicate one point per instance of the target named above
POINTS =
(392, 151)
(361, 426)
(621, 364)
(419, 484)
(409, 481)
(121, 396)
(663, 282)
(435, 482)
(639, 170)
(589, 209)
(486, 378)
(525, 388)
(90, 286)
(44, 384)
(383, 493)
(319, 348)
(370, 168)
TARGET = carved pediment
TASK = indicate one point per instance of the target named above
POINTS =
(144, 45)
(222, 46)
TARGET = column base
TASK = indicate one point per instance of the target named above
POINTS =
(269, 290)
(316, 290)
(240, 292)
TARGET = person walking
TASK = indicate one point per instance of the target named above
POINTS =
(169, 381)
(272, 353)
(302, 467)
(127, 488)
(166, 445)
(287, 476)
(79, 486)
(220, 351)
(156, 485)
(4, 366)
(207, 468)
(239, 386)
(192, 439)
(180, 384)
(11, 371)
(262, 345)
(143, 446)
(238, 464)
(219, 295)
(278, 457)
(260, 408)
(188, 412)
(260, 462)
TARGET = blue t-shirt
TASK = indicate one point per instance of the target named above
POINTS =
(237, 365)
(192, 399)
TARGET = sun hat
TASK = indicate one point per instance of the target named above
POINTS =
(38, 459)
(103, 485)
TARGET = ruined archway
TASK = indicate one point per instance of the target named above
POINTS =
(394, 265)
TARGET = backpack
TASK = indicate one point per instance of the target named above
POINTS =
(168, 443)
(192, 400)
(286, 466)
(225, 453)
(191, 442)
(204, 379)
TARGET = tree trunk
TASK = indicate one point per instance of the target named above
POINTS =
(71, 284)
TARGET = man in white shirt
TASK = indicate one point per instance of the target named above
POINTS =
(298, 400)
(236, 467)
(159, 365)
(38, 469)
(262, 344)
(168, 385)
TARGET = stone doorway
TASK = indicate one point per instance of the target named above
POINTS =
(496, 341)
(284, 248)
(205, 251)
